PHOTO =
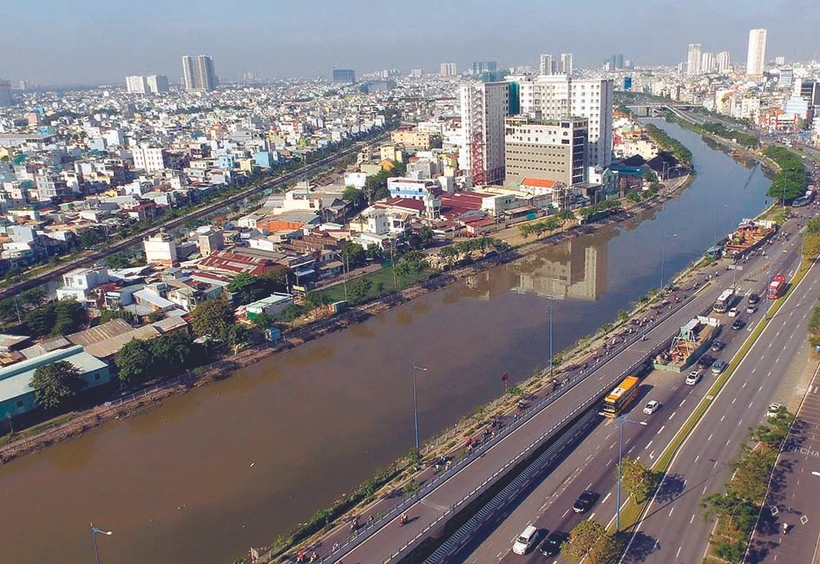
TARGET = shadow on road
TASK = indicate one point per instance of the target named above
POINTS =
(641, 548)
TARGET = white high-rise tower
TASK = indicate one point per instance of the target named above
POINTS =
(756, 55)
(694, 59)
(484, 105)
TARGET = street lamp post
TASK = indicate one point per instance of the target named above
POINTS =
(621, 420)
(94, 531)
(415, 369)
(663, 255)
(768, 285)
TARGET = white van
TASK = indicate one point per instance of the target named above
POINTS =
(525, 540)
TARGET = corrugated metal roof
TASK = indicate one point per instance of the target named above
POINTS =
(101, 332)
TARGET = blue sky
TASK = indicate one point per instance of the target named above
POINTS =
(91, 41)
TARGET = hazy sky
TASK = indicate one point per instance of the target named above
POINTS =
(93, 41)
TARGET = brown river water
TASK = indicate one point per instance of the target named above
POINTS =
(234, 464)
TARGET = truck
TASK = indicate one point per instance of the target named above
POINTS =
(776, 286)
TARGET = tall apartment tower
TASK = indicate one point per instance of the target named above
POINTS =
(545, 65)
(708, 63)
(484, 105)
(198, 73)
(756, 55)
(724, 62)
(136, 85)
(157, 83)
(694, 59)
(566, 63)
(448, 70)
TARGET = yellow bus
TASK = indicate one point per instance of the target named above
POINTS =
(620, 398)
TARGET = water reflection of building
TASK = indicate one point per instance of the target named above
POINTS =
(569, 270)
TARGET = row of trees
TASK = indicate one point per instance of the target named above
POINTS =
(669, 143)
(55, 318)
(738, 506)
(642, 195)
(249, 288)
(790, 182)
(590, 211)
(743, 139)
(452, 253)
(160, 358)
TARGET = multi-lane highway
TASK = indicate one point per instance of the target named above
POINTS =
(386, 541)
(591, 466)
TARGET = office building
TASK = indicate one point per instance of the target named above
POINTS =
(756, 54)
(545, 65)
(448, 70)
(561, 97)
(694, 59)
(786, 78)
(566, 63)
(157, 83)
(344, 76)
(6, 98)
(545, 149)
(616, 62)
(149, 159)
(724, 62)
(780, 61)
(136, 85)
(708, 63)
(480, 67)
(484, 105)
(198, 73)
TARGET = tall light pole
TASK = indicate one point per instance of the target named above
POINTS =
(785, 178)
(621, 419)
(663, 255)
(94, 531)
(768, 285)
(415, 369)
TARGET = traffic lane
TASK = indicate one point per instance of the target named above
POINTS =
(584, 465)
(799, 479)
(681, 529)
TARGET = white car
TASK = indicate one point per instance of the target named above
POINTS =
(651, 407)
(733, 312)
(774, 410)
(693, 378)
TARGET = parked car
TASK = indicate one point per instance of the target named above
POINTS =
(584, 502)
(717, 346)
(738, 324)
(754, 299)
(693, 378)
(719, 366)
(773, 410)
(651, 407)
(733, 312)
(751, 308)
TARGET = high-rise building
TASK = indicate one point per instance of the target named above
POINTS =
(198, 73)
(756, 55)
(561, 97)
(344, 76)
(724, 62)
(149, 159)
(780, 61)
(616, 62)
(448, 70)
(545, 149)
(6, 98)
(566, 63)
(484, 105)
(136, 85)
(480, 67)
(157, 83)
(694, 59)
(545, 65)
(708, 63)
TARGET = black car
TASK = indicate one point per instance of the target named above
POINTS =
(705, 361)
(754, 299)
(717, 345)
(738, 324)
(552, 544)
(584, 502)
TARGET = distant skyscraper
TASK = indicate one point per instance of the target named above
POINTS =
(708, 63)
(136, 85)
(694, 59)
(484, 105)
(5, 93)
(480, 67)
(157, 83)
(616, 62)
(780, 61)
(756, 55)
(344, 76)
(566, 63)
(724, 62)
(198, 73)
(545, 65)
(448, 70)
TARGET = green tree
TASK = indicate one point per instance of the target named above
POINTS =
(291, 313)
(589, 541)
(109, 314)
(636, 479)
(212, 317)
(426, 234)
(53, 383)
(135, 362)
(34, 297)
(172, 353)
(353, 255)
(353, 195)
(236, 335)
(55, 318)
(358, 289)
(248, 288)
(315, 300)
(263, 321)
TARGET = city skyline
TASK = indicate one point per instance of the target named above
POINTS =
(306, 41)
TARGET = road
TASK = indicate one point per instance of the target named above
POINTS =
(592, 465)
(795, 492)
(673, 529)
(95, 256)
(384, 543)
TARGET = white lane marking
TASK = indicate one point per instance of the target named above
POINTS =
(751, 403)
(683, 402)
(744, 384)
(692, 519)
(565, 514)
(734, 400)
(670, 511)
(664, 427)
(648, 445)
(722, 417)
(710, 437)
(607, 497)
(673, 414)
(697, 458)
(678, 552)
(760, 389)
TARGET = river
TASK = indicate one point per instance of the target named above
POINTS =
(236, 463)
